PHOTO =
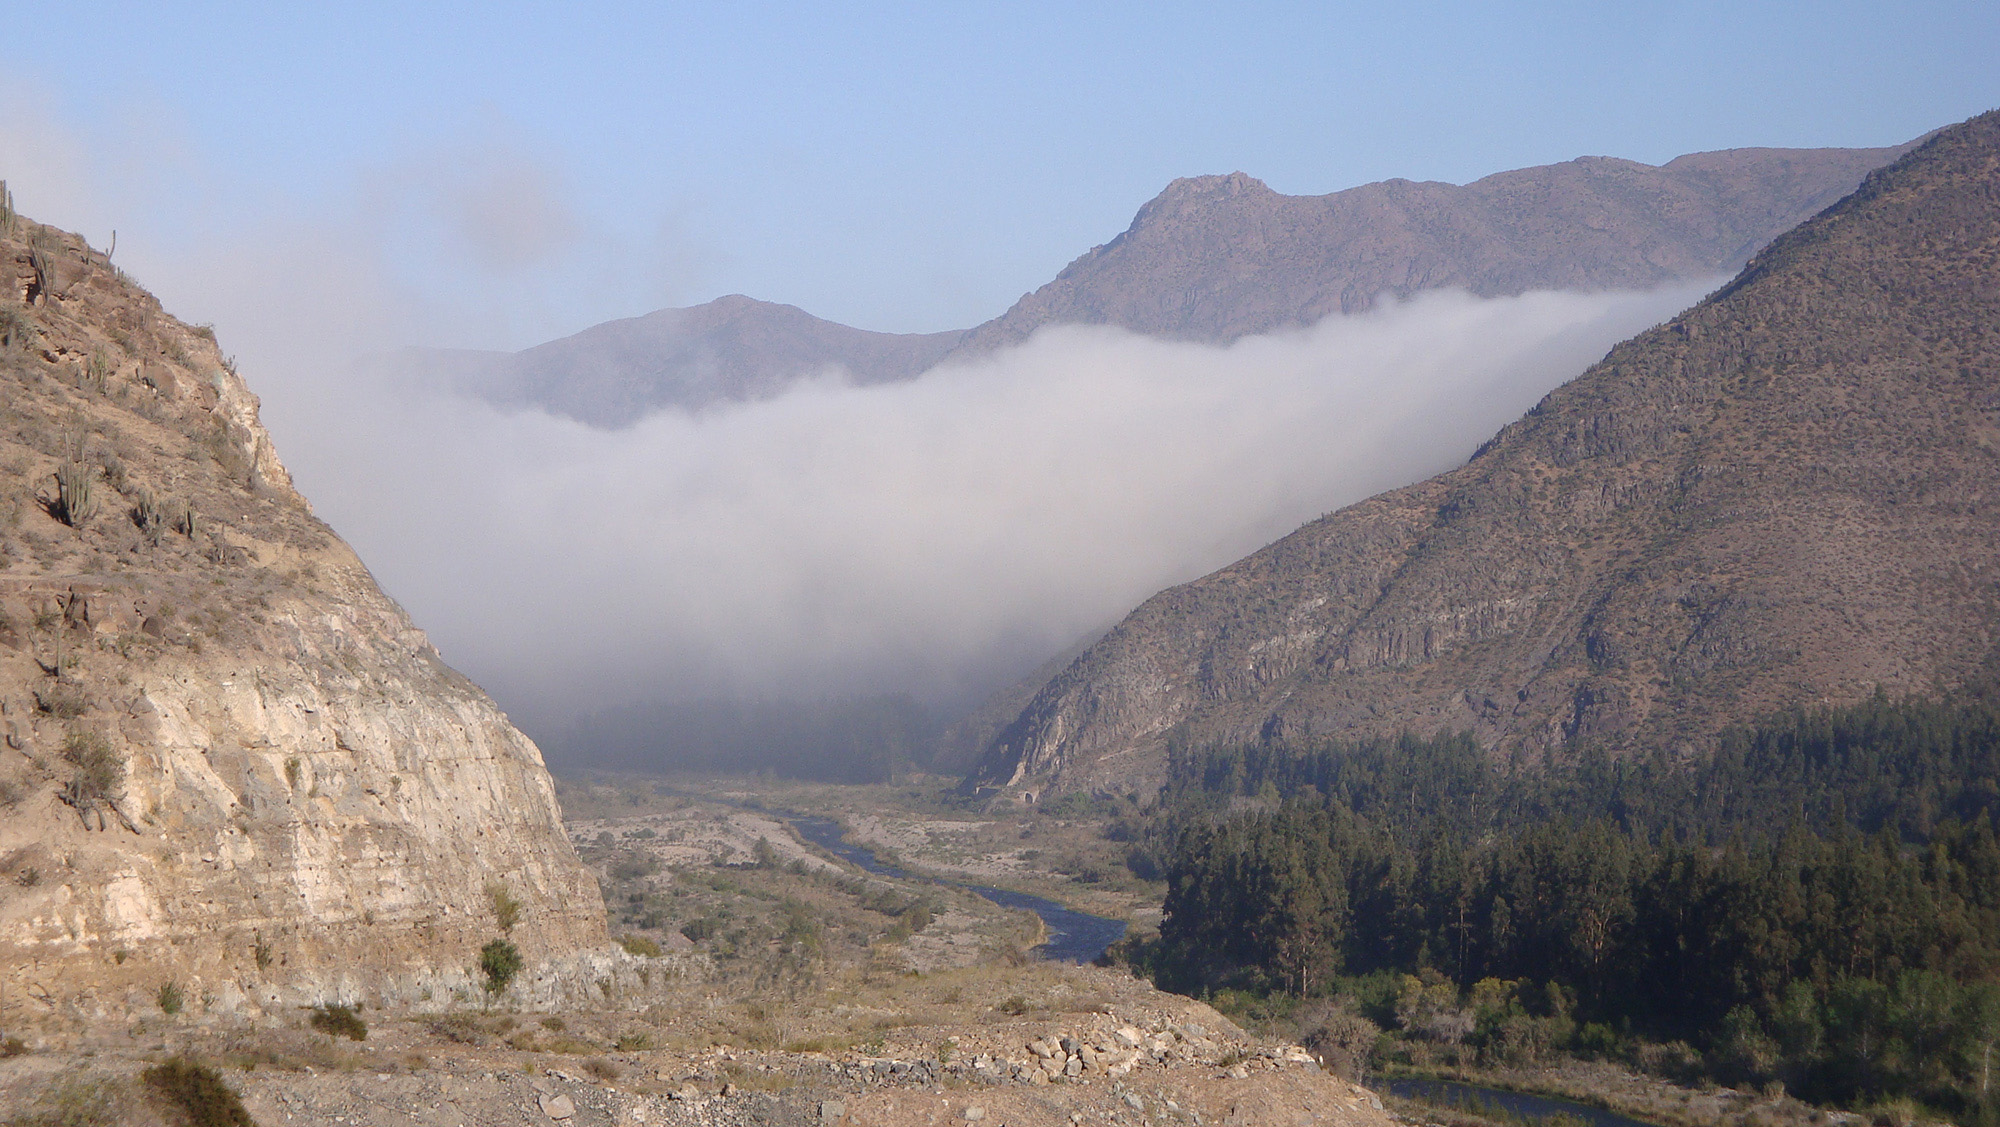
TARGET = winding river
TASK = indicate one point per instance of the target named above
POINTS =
(1074, 937)
(1474, 1099)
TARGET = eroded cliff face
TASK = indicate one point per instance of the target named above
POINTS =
(1785, 496)
(230, 762)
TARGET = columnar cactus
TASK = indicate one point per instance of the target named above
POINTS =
(76, 499)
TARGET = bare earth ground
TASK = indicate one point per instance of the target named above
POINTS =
(1068, 855)
(813, 994)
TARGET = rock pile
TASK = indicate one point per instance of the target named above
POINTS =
(1102, 1049)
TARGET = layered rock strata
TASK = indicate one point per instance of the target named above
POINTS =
(229, 764)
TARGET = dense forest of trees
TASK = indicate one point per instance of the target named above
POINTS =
(1816, 902)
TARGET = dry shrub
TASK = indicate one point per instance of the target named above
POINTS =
(199, 1093)
(1342, 1039)
(288, 1050)
(463, 1029)
(79, 1101)
(338, 1020)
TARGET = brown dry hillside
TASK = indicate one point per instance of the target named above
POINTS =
(732, 349)
(227, 760)
(1790, 493)
(1214, 258)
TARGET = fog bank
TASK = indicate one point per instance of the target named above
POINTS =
(936, 537)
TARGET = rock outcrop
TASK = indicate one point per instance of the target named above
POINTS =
(1790, 494)
(229, 764)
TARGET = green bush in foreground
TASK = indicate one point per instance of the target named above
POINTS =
(338, 1020)
(499, 961)
(197, 1090)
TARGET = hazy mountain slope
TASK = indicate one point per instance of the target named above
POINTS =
(230, 762)
(1790, 493)
(1214, 258)
(729, 350)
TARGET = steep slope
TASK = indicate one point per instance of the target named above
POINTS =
(729, 350)
(1214, 258)
(229, 761)
(1790, 493)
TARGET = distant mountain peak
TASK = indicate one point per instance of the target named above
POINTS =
(1779, 498)
(1214, 258)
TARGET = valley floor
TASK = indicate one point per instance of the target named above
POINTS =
(787, 988)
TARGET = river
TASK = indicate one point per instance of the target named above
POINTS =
(1472, 1098)
(1074, 937)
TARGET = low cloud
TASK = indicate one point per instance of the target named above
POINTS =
(938, 536)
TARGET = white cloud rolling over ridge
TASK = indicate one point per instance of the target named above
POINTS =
(938, 536)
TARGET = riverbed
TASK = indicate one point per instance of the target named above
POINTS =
(1472, 1098)
(1074, 937)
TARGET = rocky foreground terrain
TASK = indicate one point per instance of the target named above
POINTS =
(231, 769)
(1107, 1050)
(816, 999)
(1785, 496)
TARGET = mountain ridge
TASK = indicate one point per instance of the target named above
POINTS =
(732, 349)
(1214, 258)
(1635, 561)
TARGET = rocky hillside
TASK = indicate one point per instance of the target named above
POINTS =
(730, 350)
(1214, 258)
(230, 764)
(1785, 495)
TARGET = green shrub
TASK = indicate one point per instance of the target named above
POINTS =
(199, 1092)
(500, 961)
(170, 998)
(640, 945)
(98, 768)
(506, 909)
(338, 1020)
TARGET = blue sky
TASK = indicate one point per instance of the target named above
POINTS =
(894, 166)
(329, 181)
